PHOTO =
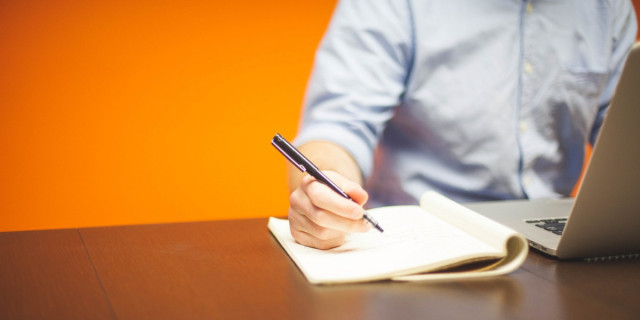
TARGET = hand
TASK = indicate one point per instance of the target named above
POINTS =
(320, 218)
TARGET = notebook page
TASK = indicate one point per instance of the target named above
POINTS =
(413, 241)
(471, 222)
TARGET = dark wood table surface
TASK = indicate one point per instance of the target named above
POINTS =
(235, 269)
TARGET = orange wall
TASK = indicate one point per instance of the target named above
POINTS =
(636, 6)
(124, 112)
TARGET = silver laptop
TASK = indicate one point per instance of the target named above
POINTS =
(604, 218)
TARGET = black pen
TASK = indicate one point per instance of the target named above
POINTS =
(303, 164)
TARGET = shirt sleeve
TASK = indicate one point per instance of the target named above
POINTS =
(624, 35)
(359, 76)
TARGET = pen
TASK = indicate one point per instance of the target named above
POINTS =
(303, 164)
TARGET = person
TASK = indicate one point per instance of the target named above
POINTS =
(478, 100)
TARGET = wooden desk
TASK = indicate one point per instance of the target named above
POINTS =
(235, 269)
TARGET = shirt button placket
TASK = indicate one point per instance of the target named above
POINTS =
(527, 95)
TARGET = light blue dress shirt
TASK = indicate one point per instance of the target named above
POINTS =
(476, 99)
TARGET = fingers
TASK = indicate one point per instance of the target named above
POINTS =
(328, 209)
(321, 218)
(307, 233)
(317, 218)
(355, 191)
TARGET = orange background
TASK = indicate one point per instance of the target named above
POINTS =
(126, 112)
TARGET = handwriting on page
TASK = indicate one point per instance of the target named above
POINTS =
(412, 238)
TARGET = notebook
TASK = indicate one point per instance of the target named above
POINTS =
(603, 220)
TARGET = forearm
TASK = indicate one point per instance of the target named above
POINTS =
(326, 156)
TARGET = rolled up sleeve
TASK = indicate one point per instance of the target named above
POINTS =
(359, 77)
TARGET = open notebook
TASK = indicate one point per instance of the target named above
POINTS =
(440, 239)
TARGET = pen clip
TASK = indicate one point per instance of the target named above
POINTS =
(286, 155)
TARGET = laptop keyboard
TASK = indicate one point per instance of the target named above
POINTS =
(555, 225)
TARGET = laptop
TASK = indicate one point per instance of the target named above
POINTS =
(603, 220)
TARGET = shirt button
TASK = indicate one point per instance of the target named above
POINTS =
(529, 7)
(527, 68)
(523, 126)
(526, 180)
